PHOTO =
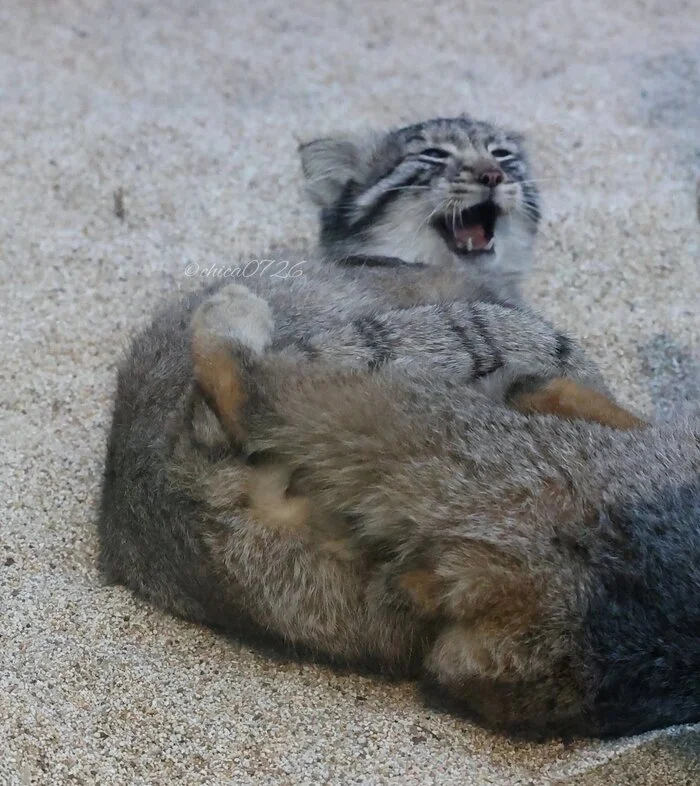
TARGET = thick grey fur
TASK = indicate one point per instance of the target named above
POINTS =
(175, 525)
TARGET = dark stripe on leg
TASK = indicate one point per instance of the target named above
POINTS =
(466, 341)
(377, 338)
(563, 349)
(494, 359)
(303, 346)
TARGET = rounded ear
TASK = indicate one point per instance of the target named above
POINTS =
(328, 164)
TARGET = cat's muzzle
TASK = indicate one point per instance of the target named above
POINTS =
(469, 231)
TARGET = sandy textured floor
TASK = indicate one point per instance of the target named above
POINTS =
(189, 109)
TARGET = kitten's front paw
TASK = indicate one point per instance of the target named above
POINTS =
(234, 315)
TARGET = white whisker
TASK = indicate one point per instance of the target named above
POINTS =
(406, 188)
(541, 180)
(425, 222)
(529, 211)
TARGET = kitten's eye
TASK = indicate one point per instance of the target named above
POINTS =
(434, 152)
(502, 153)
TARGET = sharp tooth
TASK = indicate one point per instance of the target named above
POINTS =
(489, 245)
(470, 244)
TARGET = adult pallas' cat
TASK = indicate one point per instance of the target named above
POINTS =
(207, 513)
(545, 571)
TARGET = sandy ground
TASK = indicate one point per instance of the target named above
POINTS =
(187, 112)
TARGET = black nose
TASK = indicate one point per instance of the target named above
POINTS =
(491, 177)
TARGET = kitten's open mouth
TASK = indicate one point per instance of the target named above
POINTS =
(470, 231)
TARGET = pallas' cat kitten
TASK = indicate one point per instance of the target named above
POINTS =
(442, 193)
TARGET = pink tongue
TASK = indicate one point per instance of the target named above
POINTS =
(475, 232)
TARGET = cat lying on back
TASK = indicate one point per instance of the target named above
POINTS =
(190, 523)
(181, 507)
(545, 571)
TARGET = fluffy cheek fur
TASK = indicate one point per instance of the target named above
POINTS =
(404, 231)
(509, 197)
